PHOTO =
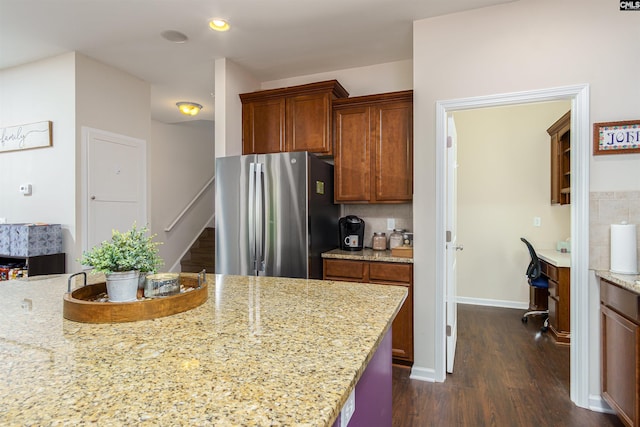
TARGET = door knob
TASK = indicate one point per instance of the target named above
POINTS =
(93, 197)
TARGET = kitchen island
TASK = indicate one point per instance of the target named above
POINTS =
(259, 351)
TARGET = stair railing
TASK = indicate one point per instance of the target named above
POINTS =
(193, 201)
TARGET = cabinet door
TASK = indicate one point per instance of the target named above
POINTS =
(402, 328)
(345, 270)
(308, 123)
(263, 126)
(352, 156)
(393, 143)
(620, 369)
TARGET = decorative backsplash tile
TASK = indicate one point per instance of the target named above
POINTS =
(606, 208)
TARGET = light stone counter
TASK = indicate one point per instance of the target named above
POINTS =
(260, 351)
(554, 257)
(630, 282)
(366, 255)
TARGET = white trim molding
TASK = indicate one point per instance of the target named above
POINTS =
(580, 156)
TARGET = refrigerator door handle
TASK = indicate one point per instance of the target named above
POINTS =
(260, 220)
(252, 216)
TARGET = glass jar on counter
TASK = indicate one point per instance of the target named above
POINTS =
(379, 241)
(395, 238)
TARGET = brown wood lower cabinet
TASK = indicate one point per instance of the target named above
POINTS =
(559, 303)
(385, 273)
(620, 343)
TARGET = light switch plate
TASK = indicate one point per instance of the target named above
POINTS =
(391, 223)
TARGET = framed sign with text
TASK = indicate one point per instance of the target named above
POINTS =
(616, 137)
(24, 137)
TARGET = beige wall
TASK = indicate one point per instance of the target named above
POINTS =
(181, 161)
(515, 47)
(503, 183)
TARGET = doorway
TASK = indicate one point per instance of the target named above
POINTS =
(580, 155)
(114, 182)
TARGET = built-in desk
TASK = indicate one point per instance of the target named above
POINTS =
(556, 266)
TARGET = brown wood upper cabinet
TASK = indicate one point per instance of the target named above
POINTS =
(296, 118)
(373, 138)
(560, 133)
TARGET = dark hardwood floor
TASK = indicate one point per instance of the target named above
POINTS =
(506, 373)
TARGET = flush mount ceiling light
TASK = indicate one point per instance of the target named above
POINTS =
(219, 24)
(189, 108)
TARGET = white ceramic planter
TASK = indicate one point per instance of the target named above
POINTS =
(122, 286)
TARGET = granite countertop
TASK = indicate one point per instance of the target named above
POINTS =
(630, 282)
(554, 257)
(366, 255)
(259, 351)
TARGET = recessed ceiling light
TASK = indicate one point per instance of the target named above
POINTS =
(174, 36)
(219, 24)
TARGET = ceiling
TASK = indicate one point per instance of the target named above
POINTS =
(271, 39)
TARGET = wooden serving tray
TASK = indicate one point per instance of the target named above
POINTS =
(79, 305)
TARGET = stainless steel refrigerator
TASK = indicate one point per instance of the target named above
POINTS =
(274, 214)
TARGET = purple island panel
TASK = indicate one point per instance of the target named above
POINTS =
(373, 391)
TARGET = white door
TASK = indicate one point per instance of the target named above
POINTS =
(452, 244)
(115, 184)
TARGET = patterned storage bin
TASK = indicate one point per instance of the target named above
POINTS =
(5, 239)
(33, 239)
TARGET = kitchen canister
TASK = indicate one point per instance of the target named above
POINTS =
(395, 238)
(624, 249)
(379, 241)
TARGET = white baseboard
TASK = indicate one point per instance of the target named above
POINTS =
(598, 404)
(493, 303)
(423, 374)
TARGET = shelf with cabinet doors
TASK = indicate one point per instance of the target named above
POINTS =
(560, 134)
(373, 138)
(620, 351)
(385, 273)
(296, 118)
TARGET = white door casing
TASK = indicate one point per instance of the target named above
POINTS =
(580, 353)
(452, 245)
(114, 184)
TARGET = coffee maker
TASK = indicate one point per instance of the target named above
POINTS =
(351, 233)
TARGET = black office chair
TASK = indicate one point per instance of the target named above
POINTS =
(536, 280)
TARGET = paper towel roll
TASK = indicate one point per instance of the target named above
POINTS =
(624, 250)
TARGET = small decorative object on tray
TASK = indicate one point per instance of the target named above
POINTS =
(123, 259)
(402, 252)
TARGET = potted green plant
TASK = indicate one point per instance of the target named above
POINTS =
(122, 259)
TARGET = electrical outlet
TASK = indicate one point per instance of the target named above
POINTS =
(537, 222)
(391, 223)
(348, 409)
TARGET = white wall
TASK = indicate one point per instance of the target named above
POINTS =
(181, 162)
(509, 48)
(230, 81)
(40, 91)
(504, 180)
(380, 78)
(111, 100)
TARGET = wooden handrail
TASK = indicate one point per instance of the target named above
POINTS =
(186, 209)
